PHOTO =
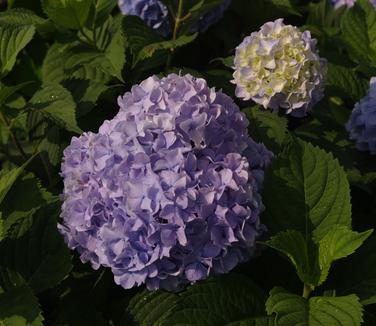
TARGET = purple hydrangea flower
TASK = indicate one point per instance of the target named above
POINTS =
(155, 14)
(362, 123)
(167, 192)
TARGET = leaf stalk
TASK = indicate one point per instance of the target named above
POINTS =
(307, 290)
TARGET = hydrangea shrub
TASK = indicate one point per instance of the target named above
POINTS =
(137, 185)
(167, 192)
(279, 67)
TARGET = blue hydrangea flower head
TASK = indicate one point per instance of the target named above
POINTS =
(168, 191)
(362, 123)
(155, 14)
(279, 67)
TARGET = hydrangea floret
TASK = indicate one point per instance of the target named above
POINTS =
(279, 67)
(362, 122)
(155, 14)
(168, 191)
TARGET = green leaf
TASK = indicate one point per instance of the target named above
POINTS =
(313, 261)
(149, 50)
(52, 146)
(82, 61)
(19, 307)
(34, 252)
(359, 31)
(313, 185)
(57, 104)
(150, 308)
(115, 51)
(7, 179)
(2, 230)
(338, 243)
(85, 93)
(53, 64)
(216, 301)
(287, 6)
(257, 321)
(346, 82)
(291, 310)
(335, 311)
(103, 9)
(65, 61)
(138, 35)
(267, 127)
(13, 40)
(292, 244)
(71, 14)
(357, 274)
(86, 63)
(20, 16)
(13, 209)
(322, 15)
(24, 17)
(8, 91)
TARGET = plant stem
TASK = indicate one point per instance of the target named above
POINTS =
(5, 121)
(178, 20)
(307, 290)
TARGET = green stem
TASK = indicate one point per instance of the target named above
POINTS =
(307, 290)
(5, 121)
(178, 20)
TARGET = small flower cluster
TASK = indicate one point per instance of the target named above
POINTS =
(279, 67)
(348, 3)
(167, 192)
(362, 123)
(155, 14)
(340, 3)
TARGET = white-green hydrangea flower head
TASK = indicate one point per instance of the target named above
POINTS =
(279, 67)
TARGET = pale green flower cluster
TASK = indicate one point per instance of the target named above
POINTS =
(279, 67)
